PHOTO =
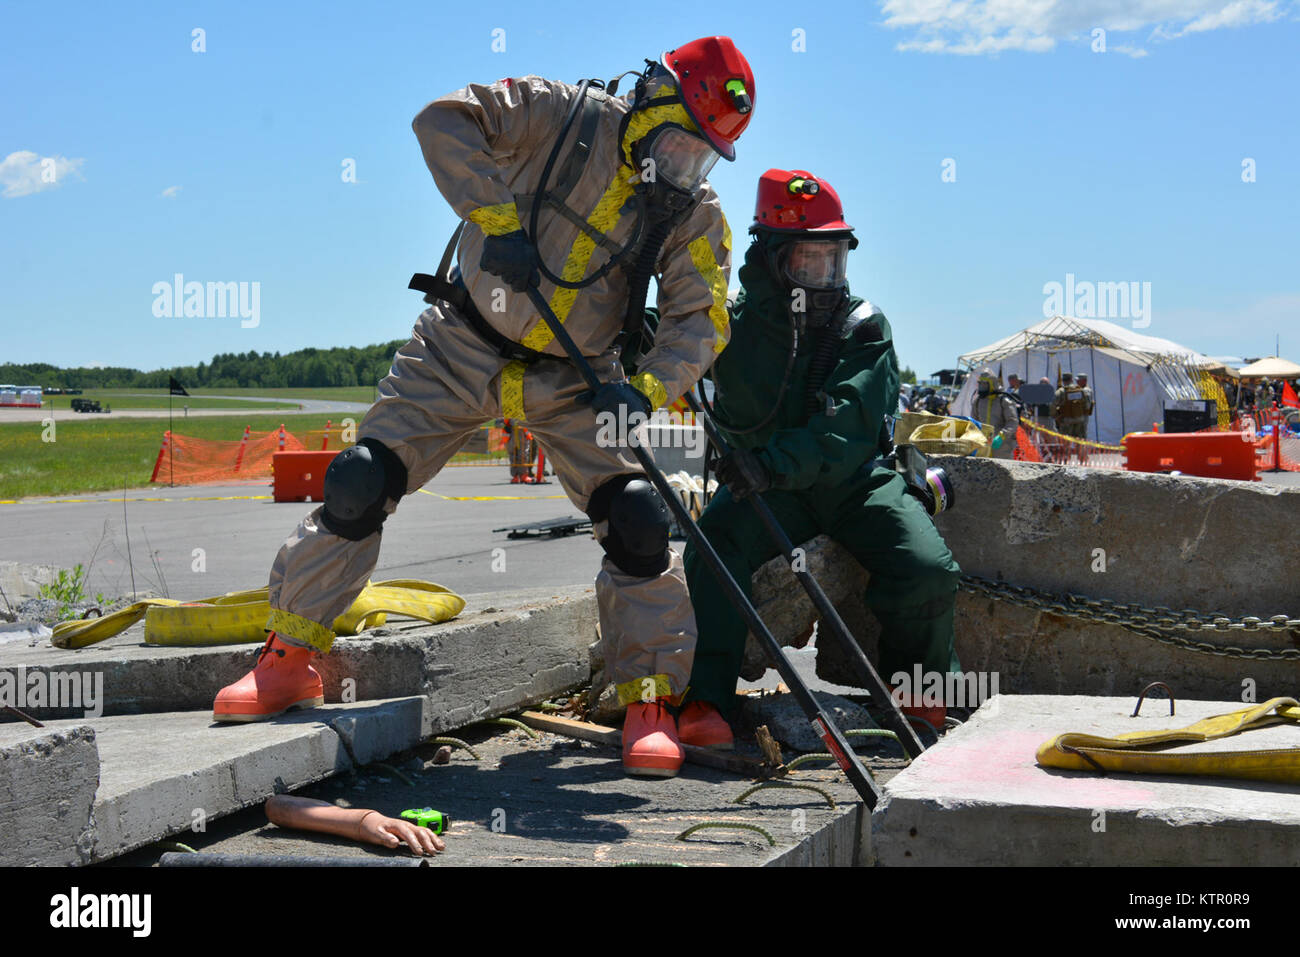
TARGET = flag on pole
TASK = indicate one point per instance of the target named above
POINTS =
(175, 387)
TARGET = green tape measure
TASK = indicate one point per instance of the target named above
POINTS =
(435, 821)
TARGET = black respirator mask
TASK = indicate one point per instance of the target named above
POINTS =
(814, 274)
(672, 163)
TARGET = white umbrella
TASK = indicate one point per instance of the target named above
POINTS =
(1272, 367)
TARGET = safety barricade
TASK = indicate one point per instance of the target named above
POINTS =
(1222, 455)
(299, 476)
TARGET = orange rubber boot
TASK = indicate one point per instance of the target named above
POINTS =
(650, 744)
(283, 678)
(702, 724)
(934, 714)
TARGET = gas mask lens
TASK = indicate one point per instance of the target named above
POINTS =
(681, 158)
(817, 264)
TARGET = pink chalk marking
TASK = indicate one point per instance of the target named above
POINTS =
(1001, 766)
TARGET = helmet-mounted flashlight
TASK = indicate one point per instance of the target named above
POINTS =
(739, 95)
(804, 189)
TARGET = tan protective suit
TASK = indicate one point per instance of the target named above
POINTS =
(1000, 412)
(487, 145)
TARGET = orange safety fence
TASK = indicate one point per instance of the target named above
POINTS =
(186, 460)
(1277, 447)
(1037, 443)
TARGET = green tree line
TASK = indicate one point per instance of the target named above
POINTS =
(344, 366)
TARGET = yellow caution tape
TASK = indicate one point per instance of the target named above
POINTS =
(240, 617)
(1034, 426)
(1087, 752)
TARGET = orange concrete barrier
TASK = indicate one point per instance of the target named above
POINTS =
(299, 476)
(1226, 455)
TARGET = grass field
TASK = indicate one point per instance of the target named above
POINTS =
(353, 393)
(98, 454)
(138, 399)
(102, 454)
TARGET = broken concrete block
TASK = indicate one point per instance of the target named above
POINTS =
(786, 608)
(979, 798)
(790, 726)
(505, 652)
(1100, 533)
(48, 779)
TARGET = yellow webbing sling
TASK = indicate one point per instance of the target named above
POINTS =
(1087, 752)
(240, 616)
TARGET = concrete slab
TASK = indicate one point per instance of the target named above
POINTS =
(554, 801)
(978, 798)
(163, 774)
(504, 652)
(48, 778)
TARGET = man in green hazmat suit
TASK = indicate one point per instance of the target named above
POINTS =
(802, 395)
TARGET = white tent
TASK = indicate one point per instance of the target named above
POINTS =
(1272, 367)
(1133, 377)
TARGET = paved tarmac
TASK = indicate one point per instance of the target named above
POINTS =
(438, 534)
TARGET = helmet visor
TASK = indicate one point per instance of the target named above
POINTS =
(681, 158)
(817, 263)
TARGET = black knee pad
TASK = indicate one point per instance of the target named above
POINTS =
(358, 484)
(639, 522)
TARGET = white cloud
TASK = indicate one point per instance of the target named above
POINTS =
(23, 173)
(1239, 13)
(170, 192)
(974, 27)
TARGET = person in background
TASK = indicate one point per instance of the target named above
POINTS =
(997, 408)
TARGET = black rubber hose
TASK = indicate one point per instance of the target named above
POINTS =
(639, 280)
(819, 369)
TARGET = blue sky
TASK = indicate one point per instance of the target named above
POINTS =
(225, 165)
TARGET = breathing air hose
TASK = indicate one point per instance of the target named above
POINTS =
(823, 359)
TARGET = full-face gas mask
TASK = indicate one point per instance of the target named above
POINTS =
(673, 163)
(814, 272)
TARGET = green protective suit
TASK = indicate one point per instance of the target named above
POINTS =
(823, 481)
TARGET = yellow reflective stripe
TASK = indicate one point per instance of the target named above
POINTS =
(645, 689)
(512, 390)
(608, 211)
(604, 217)
(303, 629)
(648, 385)
(496, 220)
(643, 121)
(706, 263)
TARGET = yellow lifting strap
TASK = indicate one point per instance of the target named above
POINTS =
(1087, 752)
(240, 616)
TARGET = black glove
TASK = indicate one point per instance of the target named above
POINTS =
(744, 473)
(512, 258)
(619, 399)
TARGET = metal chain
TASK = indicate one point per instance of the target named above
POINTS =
(1155, 622)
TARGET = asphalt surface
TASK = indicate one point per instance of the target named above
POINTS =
(436, 535)
(443, 533)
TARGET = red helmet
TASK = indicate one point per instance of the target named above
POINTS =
(797, 201)
(717, 89)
